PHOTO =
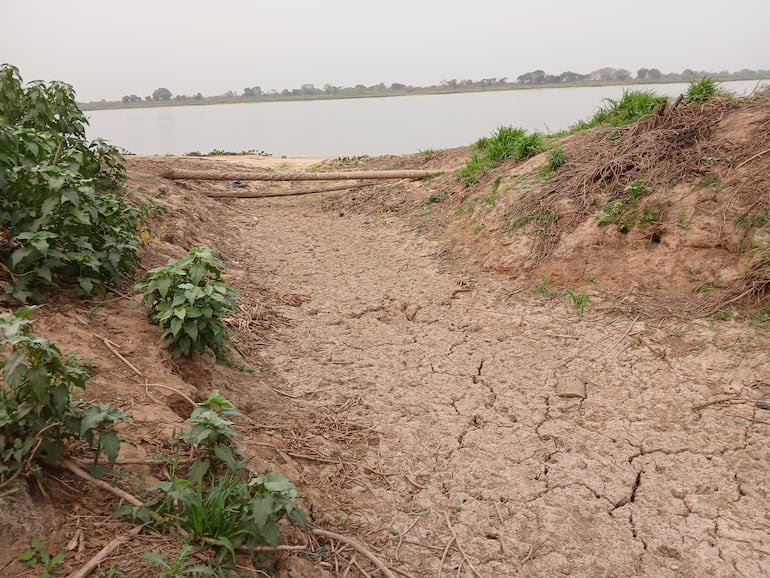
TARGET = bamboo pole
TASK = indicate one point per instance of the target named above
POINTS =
(187, 175)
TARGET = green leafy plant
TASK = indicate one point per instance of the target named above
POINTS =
(37, 555)
(60, 230)
(38, 411)
(212, 430)
(231, 511)
(187, 298)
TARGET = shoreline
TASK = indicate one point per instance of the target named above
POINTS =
(212, 100)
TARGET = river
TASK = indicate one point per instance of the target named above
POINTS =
(361, 126)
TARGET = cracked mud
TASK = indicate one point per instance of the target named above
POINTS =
(555, 445)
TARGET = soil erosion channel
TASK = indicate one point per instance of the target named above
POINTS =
(544, 442)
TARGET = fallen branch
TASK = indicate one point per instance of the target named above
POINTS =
(111, 347)
(104, 553)
(358, 548)
(269, 194)
(187, 175)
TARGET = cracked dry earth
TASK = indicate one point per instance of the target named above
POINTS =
(551, 445)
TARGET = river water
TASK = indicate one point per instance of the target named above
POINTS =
(362, 126)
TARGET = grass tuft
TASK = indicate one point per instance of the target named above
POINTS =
(632, 106)
(505, 143)
(703, 90)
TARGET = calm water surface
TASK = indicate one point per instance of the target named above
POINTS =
(348, 127)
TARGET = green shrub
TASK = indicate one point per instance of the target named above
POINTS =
(39, 414)
(59, 228)
(187, 298)
(230, 510)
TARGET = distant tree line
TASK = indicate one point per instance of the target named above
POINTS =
(532, 78)
(609, 74)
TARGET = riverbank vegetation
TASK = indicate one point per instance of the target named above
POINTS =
(534, 79)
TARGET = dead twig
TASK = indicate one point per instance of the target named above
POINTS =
(283, 393)
(358, 548)
(413, 483)
(748, 160)
(404, 533)
(715, 401)
(443, 556)
(460, 548)
(169, 388)
(91, 565)
(619, 341)
(117, 354)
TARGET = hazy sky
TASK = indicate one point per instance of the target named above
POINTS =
(107, 49)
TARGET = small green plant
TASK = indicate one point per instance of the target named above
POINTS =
(624, 210)
(181, 566)
(681, 220)
(427, 152)
(759, 218)
(710, 181)
(703, 90)
(38, 411)
(543, 288)
(579, 300)
(437, 197)
(187, 298)
(212, 430)
(542, 219)
(555, 160)
(37, 555)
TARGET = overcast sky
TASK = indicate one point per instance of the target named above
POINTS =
(107, 49)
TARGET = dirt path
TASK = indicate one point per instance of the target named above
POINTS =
(462, 403)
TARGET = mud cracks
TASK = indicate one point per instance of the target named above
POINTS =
(549, 444)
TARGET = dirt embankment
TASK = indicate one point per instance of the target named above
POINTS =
(439, 402)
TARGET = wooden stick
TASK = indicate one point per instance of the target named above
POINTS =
(109, 345)
(168, 387)
(269, 194)
(187, 175)
(358, 548)
(748, 160)
(104, 552)
(84, 475)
